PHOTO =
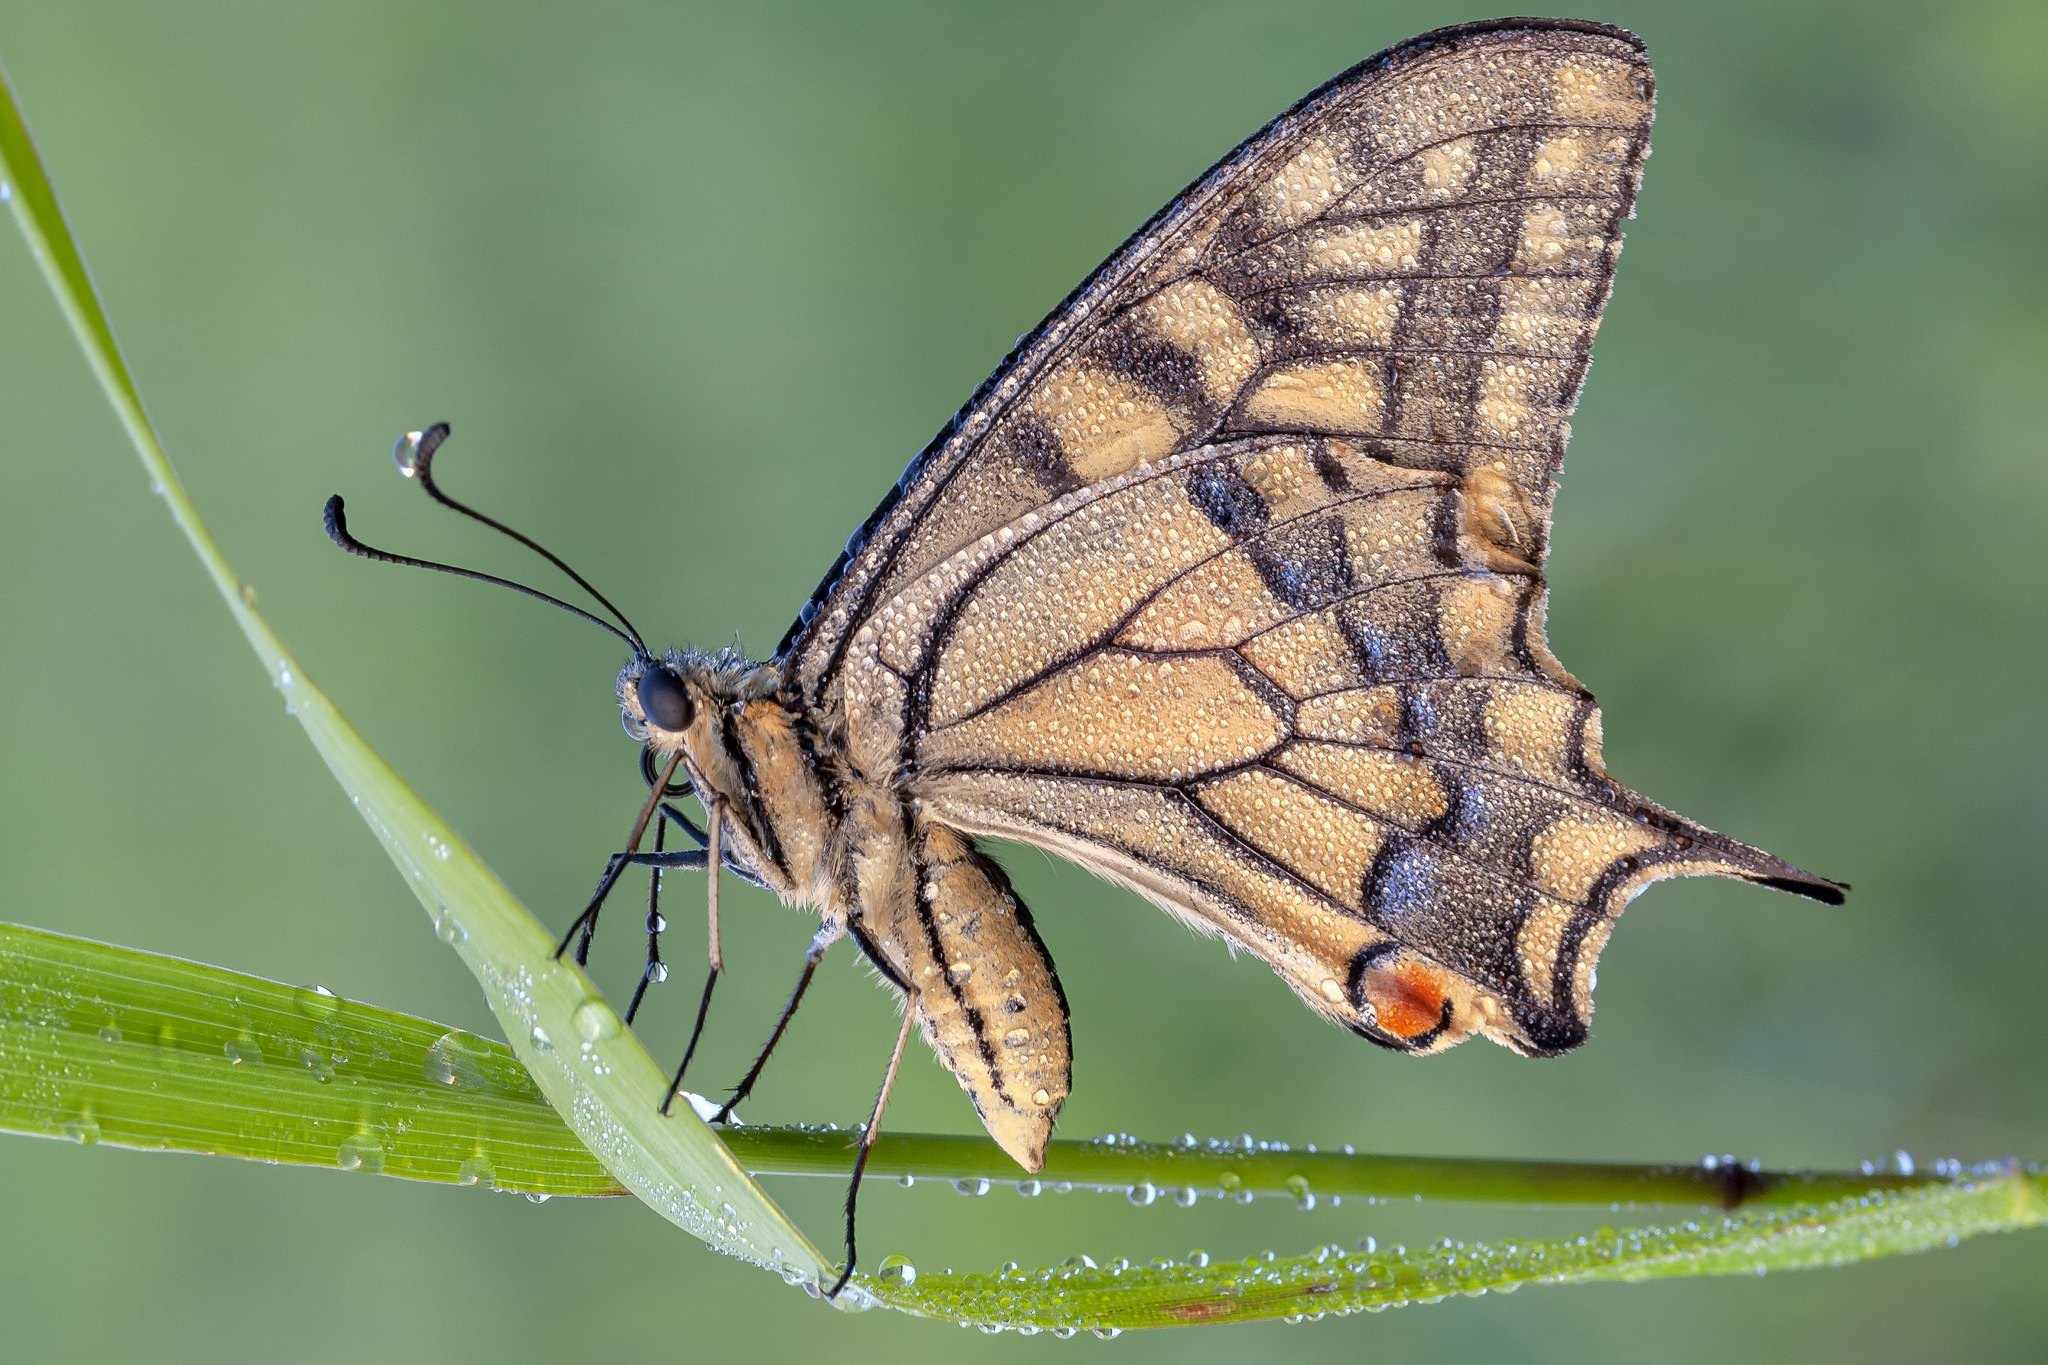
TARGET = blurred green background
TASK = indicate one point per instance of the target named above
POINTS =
(692, 283)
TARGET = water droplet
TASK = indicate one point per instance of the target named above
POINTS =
(1082, 1262)
(536, 1197)
(84, 1129)
(476, 1171)
(1017, 1037)
(1030, 1188)
(972, 1186)
(360, 1152)
(1902, 1162)
(1186, 1195)
(658, 972)
(449, 929)
(1107, 1333)
(595, 1021)
(540, 1039)
(110, 1032)
(6, 192)
(316, 1062)
(456, 1060)
(906, 1180)
(243, 1050)
(405, 453)
(316, 1002)
(1142, 1193)
(1232, 1185)
(897, 1272)
(1298, 1189)
(1041, 1096)
(1198, 1259)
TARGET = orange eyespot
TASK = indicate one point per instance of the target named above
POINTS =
(1408, 998)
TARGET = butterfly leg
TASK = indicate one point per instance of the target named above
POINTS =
(585, 924)
(867, 1140)
(656, 969)
(828, 934)
(713, 854)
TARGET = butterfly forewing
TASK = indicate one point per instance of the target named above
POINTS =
(1228, 584)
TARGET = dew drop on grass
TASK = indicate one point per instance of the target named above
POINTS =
(456, 1060)
(595, 1021)
(972, 1186)
(897, 1272)
(83, 1129)
(360, 1152)
(242, 1051)
(316, 1002)
(476, 1171)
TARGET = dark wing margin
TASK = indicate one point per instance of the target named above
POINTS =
(815, 642)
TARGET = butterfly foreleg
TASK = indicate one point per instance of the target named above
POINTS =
(713, 854)
(585, 925)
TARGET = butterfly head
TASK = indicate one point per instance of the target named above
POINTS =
(680, 701)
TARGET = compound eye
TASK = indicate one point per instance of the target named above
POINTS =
(663, 699)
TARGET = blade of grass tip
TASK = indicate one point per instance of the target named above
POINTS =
(593, 1071)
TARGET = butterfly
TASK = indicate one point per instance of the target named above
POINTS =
(1227, 585)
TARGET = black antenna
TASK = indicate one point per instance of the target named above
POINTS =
(337, 531)
(414, 456)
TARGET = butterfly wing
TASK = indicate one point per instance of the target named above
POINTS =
(1228, 584)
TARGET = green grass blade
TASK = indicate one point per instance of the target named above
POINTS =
(591, 1070)
(135, 1049)
(1336, 1280)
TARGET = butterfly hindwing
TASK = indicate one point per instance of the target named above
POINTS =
(1228, 585)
